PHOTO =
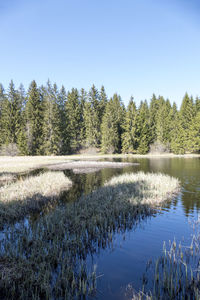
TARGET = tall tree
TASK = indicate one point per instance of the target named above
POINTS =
(73, 110)
(34, 126)
(111, 127)
(129, 137)
(143, 128)
(51, 126)
(92, 116)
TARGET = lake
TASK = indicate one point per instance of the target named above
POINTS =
(125, 262)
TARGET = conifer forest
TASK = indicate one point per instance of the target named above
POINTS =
(47, 121)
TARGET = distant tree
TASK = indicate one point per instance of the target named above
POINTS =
(187, 113)
(143, 128)
(51, 135)
(34, 126)
(73, 110)
(129, 137)
(12, 115)
(111, 127)
(92, 116)
(153, 111)
(164, 119)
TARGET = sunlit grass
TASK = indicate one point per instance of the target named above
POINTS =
(24, 196)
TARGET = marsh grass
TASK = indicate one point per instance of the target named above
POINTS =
(30, 194)
(176, 272)
(52, 252)
(6, 178)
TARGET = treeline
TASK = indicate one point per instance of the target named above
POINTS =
(48, 121)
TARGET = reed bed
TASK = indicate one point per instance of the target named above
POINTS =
(28, 195)
(50, 256)
(6, 178)
(176, 272)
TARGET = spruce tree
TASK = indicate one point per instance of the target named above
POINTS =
(112, 126)
(187, 113)
(92, 117)
(51, 127)
(34, 126)
(73, 110)
(129, 138)
(143, 128)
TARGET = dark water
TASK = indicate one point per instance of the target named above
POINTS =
(125, 263)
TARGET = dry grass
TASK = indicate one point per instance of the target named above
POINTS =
(145, 188)
(24, 196)
(25, 163)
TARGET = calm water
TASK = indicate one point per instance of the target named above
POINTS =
(125, 262)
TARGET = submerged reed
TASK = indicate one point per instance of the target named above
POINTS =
(176, 272)
(50, 256)
(24, 196)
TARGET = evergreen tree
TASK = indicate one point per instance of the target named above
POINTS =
(92, 116)
(34, 126)
(62, 98)
(143, 128)
(193, 143)
(112, 126)
(187, 113)
(12, 115)
(3, 115)
(129, 138)
(83, 99)
(73, 110)
(51, 124)
(153, 111)
(164, 119)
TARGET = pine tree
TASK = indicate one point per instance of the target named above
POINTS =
(51, 124)
(12, 115)
(164, 119)
(3, 115)
(22, 136)
(92, 116)
(83, 99)
(143, 128)
(34, 126)
(129, 138)
(62, 98)
(111, 127)
(187, 113)
(109, 130)
(153, 111)
(193, 144)
(73, 110)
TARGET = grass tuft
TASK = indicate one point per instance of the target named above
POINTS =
(24, 196)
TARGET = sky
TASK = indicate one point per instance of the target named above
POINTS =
(132, 47)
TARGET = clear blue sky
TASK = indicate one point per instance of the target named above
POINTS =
(133, 47)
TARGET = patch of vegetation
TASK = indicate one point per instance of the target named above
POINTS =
(176, 272)
(28, 195)
(51, 254)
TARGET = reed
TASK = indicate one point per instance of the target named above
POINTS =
(50, 256)
(176, 272)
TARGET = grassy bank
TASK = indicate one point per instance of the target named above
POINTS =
(48, 260)
(24, 196)
(26, 163)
